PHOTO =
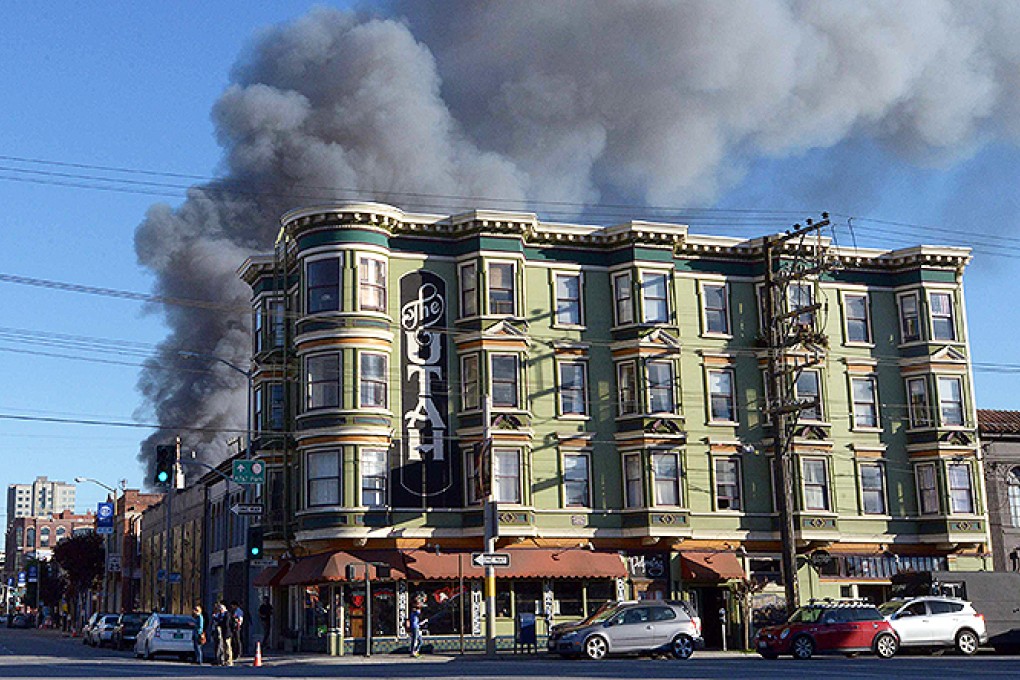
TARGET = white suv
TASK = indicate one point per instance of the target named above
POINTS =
(936, 622)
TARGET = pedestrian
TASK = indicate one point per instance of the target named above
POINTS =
(237, 616)
(198, 636)
(221, 629)
(266, 619)
(414, 624)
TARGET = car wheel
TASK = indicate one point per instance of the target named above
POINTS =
(803, 647)
(596, 647)
(966, 642)
(682, 647)
(886, 646)
(771, 656)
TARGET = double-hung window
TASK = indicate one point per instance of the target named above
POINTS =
(626, 379)
(276, 408)
(961, 494)
(809, 391)
(322, 381)
(660, 387)
(373, 477)
(506, 476)
(323, 473)
(502, 288)
(633, 488)
(943, 326)
(865, 402)
(322, 285)
(1013, 496)
(576, 480)
(505, 392)
(858, 329)
(927, 488)
(917, 402)
(469, 377)
(573, 391)
(666, 477)
(720, 389)
(816, 484)
(374, 379)
(623, 298)
(873, 488)
(716, 308)
(950, 401)
(654, 297)
(468, 289)
(727, 484)
(372, 284)
(568, 299)
(801, 295)
(910, 319)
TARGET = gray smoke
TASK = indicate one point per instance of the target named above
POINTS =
(512, 104)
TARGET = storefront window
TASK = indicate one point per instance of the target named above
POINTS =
(568, 593)
(600, 592)
(441, 603)
(504, 598)
(528, 597)
(384, 609)
(316, 613)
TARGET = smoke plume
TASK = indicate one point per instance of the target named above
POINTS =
(440, 106)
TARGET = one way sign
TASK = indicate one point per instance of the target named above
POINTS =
(490, 559)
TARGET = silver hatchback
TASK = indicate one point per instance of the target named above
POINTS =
(640, 627)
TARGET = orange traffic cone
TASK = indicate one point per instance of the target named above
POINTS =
(258, 655)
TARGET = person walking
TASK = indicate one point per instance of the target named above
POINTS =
(266, 619)
(198, 637)
(237, 618)
(414, 623)
(222, 625)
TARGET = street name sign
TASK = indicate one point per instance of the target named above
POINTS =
(490, 559)
(264, 563)
(249, 472)
(253, 509)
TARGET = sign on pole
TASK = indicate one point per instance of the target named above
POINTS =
(249, 472)
(250, 509)
(33, 573)
(264, 563)
(21, 579)
(175, 577)
(104, 519)
(490, 559)
(113, 563)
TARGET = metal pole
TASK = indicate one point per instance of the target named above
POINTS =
(460, 597)
(489, 516)
(368, 613)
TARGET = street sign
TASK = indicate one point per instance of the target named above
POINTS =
(490, 559)
(160, 574)
(175, 577)
(21, 579)
(113, 563)
(249, 472)
(104, 518)
(33, 573)
(252, 509)
(264, 563)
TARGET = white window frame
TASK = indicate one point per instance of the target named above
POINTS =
(951, 316)
(339, 259)
(471, 390)
(1013, 496)
(821, 398)
(943, 421)
(497, 477)
(705, 330)
(902, 317)
(971, 499)
(514, 290)
(382, 381)
(635, 400)
(380, 468)
(586, 457)
(338, 477)
(646, 276)
(308, 384)
(738, 484)
(730, 397)
(807, 320)
(583, 365)
(923, 508)
(627, 288)
(517, 380)
(468, 294)
(473, 475)
(918, 415)
(650, 389)
(826, 485)
(632, 463)
(558, 302)
(883, 487)
(869, 337)
(857, 405)
(677, 482)
(365, 284)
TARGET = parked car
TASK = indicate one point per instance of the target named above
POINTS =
(648, 626)
(86, 631)
(101, 630)
(937, 623)
(166, 634)
(126, 630)
(560, 629)
(847, 627)
(21, 621)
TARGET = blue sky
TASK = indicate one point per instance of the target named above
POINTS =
(132, 86)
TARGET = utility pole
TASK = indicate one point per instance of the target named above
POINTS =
(780, 324)
(168, 542)
(489, 519)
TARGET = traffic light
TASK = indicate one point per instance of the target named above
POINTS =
(255, 539)
(352, 572)
(166, 461)
(382, 572)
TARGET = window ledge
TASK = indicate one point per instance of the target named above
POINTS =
(723, 423)
(375, 410)
(570, 327)
(858, 343)
(718, 336)
(574, 417)
(868, 428)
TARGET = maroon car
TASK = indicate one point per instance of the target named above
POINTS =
(832, 626)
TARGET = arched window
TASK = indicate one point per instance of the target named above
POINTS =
(61, 533)
(44, 537)
(1013, 495)
(30, 537)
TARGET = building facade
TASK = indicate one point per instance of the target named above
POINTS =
(33, 538)
(123, 584)
(605, 385)
(1000, 437)
(40, 498)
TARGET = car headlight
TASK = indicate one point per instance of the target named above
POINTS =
(785, 634)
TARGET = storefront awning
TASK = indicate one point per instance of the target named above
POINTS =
(330, 567)
(423, 565)
(524, 563)
(271, 576)
(307, 570)
(710, 566)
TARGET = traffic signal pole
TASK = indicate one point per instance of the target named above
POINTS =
(489, 519)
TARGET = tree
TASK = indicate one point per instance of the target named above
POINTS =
(83, 559)
(52, 584)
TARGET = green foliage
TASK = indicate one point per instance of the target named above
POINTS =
(83, 559)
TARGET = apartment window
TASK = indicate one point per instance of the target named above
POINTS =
(505, 393)
(576, 476)
(1013, 495)
(623, 298)
(632, 480)
(816, 484)
(30, 537)
(917, 400)
(927, 489)
(808, 390)
(323, 478)
(626, 379)
(502, 291)
(44, 537)
(573, 398)
(950, 401)
(660, 387)
(468, 289)
(506, 476)
(910, 320)
(858, 329)
(865, 402)
(322, 381)
(666, 475)
(720, 390)
(727, 484)
(961, 495)
(801, 295)
(873, 488)
(372, 284)
(469, 376)
(654, 298)
(277, 323)
(276, 409)
(373, 477)
(258, 327)
(942, 325)
(374, 379)
(61, 533)
(716, 308)
(568, 299)
(322, 285)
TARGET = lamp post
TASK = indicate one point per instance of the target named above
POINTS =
(106, 566)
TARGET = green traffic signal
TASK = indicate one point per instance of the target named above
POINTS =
(163, 476)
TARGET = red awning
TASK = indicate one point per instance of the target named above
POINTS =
(524, 563)
(307, 570)
(710, 566)
(271, 576)
(329, 567)
(425, 565)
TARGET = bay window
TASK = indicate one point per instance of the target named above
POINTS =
(660, 387)
(502, 288)
(322, 285)
(655, 297)
(816, 484)
(506, 476)
(372, 284)
(666, 478)
(322, 381)
(623, 298)
(323, 474)
(568, 299)
(374, 381)
(504, 383)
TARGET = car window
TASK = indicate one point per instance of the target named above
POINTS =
(943, 607)
(805, 615)
(176, 623)
(635, 615)
(867, 614)
(110, 619)
(836, 616)
(915, 609)
(890, 608)
(662, 614)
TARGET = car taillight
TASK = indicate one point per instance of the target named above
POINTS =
(980, 616)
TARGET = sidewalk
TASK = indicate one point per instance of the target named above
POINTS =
(278, 659)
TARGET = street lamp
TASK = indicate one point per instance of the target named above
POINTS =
(106, 567)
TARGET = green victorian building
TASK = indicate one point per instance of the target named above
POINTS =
(606, 386)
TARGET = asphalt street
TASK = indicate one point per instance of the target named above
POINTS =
(47, 654)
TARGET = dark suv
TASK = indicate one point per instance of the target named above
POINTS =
(846, 627)
(126, 630)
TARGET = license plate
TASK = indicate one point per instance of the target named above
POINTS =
(178, 636)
